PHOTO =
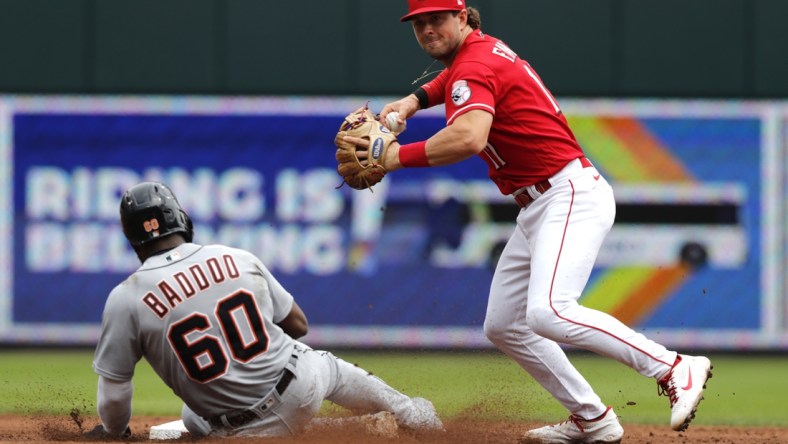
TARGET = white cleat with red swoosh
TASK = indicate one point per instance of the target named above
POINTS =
(684, 385)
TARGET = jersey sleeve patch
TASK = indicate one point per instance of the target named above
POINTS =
(460, 92)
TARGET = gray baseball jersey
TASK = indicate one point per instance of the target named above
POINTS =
(204, 318)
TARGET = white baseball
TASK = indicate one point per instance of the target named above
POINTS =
(393, 124)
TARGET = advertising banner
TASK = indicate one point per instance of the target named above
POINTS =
(407, 265)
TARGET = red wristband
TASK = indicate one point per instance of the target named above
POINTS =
(413, 155)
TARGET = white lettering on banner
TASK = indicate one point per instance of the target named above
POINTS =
(54, 193)
(288, 191)
(239, 195)
(57, 194)
(266, 245)
(72, 216)
(110, 184)
(81, 181)
(120, 257)
(322, 251)
(47, 193)
(85, 248)
(318, 249)
(235, 195)
(288, 249)
(94, 247)
(311, 196)
(44, 246)
(199, 189)
(322, 201)
(89, 237)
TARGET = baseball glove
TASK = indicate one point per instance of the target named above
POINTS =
(362, 174)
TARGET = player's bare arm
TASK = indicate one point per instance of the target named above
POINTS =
(464, 138)
(406, 107)
(295, 324)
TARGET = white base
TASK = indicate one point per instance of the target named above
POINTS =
(168, 430)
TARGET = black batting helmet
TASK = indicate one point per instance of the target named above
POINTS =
(150, 211)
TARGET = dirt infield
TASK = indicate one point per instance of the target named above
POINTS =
(41, 429)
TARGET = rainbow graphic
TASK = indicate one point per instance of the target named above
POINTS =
(628, 152)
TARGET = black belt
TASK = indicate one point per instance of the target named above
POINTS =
(235, 420)
(523, 199)
(287, 376)
(242, 417)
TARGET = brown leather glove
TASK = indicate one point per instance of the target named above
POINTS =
(362, 174)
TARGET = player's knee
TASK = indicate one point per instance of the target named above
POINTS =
(540, 319)
(549, 321)
(496, 332)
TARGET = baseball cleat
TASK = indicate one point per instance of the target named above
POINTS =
(577, 430)
(684, 385)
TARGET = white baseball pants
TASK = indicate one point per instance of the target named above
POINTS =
(540, 275)
(319, 376)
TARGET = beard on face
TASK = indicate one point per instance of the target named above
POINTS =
(438, 52)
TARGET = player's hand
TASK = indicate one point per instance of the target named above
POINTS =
(406, 107)
(361, 144)
(100, 434)
(362, 152)
(362, 148)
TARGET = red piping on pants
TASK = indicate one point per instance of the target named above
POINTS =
(552, 282)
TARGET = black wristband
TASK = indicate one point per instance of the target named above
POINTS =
(424, 99)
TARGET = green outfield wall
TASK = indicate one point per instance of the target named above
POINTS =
(582, 48)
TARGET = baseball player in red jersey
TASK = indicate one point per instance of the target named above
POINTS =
(498, 108)
(221, 331)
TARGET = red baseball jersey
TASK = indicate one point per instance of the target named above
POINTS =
(530, 139)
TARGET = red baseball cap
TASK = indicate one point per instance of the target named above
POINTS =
(416, 7)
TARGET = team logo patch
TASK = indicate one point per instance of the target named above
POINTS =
(174, 256)
(377, 148)
(460, 92)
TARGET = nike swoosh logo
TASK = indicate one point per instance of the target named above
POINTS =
(596, 177)
(689, 382)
